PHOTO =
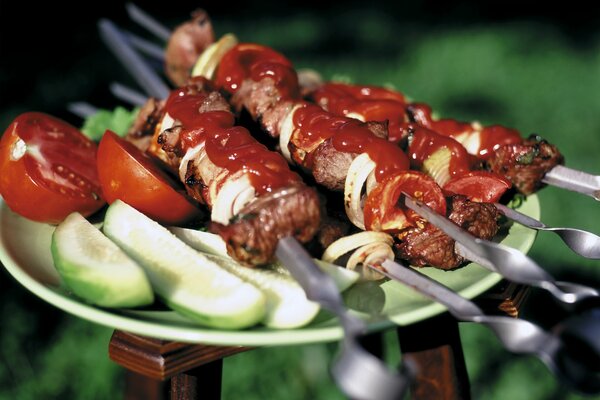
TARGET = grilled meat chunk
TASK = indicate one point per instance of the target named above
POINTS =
(142, 130)
(253, 235)
(185, 46)
(526, 163)
(330, 166)
(427, 245)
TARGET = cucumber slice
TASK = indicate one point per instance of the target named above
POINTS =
(95, 268)
(287, 305)
(213, 244)
(185, 279)
(205, 242)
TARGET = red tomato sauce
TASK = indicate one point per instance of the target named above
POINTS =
(492, 137)
(227, 146)
(350, 136)
(371, 102)
(256, 62)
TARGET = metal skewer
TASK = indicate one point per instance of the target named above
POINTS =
(145, 46)
(140, 71)
(582, 242)
(506, 261)
(358, 373)
(127, 94)
(82, 109)
(556, 349)
(148, 22)
(574, 180)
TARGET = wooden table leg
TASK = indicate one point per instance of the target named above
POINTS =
(140, 387)
(192, 384)
(434, 347)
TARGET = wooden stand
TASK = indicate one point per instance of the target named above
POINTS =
(194, 371)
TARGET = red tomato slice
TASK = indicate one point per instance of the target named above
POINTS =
(480, 186)
(381, 210)
(48, 169)
(126, 173)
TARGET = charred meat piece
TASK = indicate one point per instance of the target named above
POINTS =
(142, 130)
(330, 230)
(252, 237)
(330, 166)
(427, 245)
(185, 46)
(526, 163)
(479, 219)
(264, 102)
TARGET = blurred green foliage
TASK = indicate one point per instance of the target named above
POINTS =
(118, 120)
(525, 74)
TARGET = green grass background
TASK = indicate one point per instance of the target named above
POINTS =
(525, 73)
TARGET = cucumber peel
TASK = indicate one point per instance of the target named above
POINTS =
(186, 280)
(210, 243)
(286, 302)
(95, 269)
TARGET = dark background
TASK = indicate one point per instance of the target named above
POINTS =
(547, 79)
(44, 43)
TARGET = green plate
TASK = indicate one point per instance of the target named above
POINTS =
(25, 252)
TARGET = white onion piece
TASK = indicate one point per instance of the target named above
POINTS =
(370, 254)
(472, 142)
(286, 129)
(242, 199)
(189, 155)
(211, 57)
(371, 182)
(167, 122)
(348, 243)
(360, 169)
(223, 206)
(357, 116)
(309, 79)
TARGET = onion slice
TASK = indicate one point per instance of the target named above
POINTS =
(370, 254)
(189, 155)
(211, 57)
(286, 130)
(234, 195)
(358, 173)
(369, 248)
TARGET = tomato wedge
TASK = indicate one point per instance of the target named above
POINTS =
(128, 174)
(381, 210)
(480, 186)
(48, 169)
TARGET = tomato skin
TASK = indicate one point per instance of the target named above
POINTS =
(33, 188)
(479, 186)
(381, 209)
(128, 174)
